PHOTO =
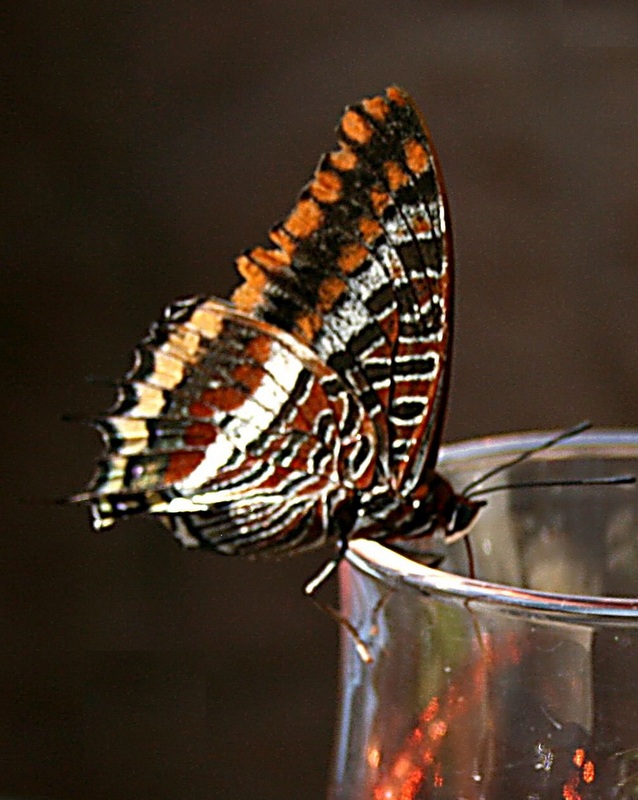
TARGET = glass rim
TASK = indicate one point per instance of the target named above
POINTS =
(503, 444)
(394, 568)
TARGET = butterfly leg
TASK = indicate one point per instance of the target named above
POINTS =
(317, 581)
(378, 608)
(328, 568)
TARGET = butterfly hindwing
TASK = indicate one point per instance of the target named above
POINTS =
(233, 432)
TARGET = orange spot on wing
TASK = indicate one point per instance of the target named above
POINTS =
(246, 297)
(329, 292)
(416, 156)
(352, 256)
(380, 201)
(259, 349)
(251, 272)
(421, 225)
(356, 127)
(326, 187)
(370, 229)
(377, 107)
(395, 175)
(224, 398)
(308, 325)
(200, 434)
(248, 375)
(270, 259)
(305, 218)
(344, 159)
(181, 464)
(200, 410)
(396, 95)
(279, 237)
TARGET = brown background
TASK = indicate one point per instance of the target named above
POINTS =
(148, 143)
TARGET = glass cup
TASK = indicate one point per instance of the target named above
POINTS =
(521, 682)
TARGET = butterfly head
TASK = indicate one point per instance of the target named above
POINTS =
(437, 506)
(462, 516)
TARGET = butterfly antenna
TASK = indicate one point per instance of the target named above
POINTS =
(613, 480)
(568, 434)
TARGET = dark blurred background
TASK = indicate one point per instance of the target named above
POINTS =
(146, 144)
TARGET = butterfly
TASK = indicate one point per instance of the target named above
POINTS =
(309, 408)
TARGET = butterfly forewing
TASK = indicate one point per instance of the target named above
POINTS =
(264, 424)
(360, 270)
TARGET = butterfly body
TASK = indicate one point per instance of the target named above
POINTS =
(309, 408)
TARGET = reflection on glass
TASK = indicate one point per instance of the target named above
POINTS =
(522, 683)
